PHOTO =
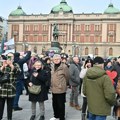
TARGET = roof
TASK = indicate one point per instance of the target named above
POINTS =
(63, 6)
(111, 10)
(18, 12)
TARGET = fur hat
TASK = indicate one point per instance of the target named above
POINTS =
(98, 60)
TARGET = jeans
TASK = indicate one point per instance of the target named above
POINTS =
(96, 117)
(19, 88)
(42, 108)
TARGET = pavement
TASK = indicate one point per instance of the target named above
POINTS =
(25, 114)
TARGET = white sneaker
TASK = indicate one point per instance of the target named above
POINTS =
(54, 118)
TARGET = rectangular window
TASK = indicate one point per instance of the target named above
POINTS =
(77, 27)
(44, 38)
(87, 38)
(15, 27)
(111, 39)
(35, 28)
(97, 27)
(27, 28)
(111, 27)
(45, 28)
(35, 38)
(87, 27)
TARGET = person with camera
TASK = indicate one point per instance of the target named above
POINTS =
(88, 64)
(7, 87)
(20, 78)
(38, 77)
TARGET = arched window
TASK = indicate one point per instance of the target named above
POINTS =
(86, 51)
(110, 51)
(76, 51)
(35, 49)
(96, 51)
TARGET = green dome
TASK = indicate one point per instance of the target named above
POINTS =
(63, 6)
(18, 12)
(111, 10)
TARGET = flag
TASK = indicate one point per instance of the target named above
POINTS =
(9, 46)
(2, 46)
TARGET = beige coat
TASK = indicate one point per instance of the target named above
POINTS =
(59, 79)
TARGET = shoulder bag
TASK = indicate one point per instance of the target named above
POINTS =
(34, 89)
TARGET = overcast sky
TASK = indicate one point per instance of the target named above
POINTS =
(45, 6)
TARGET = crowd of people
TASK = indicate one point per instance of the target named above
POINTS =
(97, 80)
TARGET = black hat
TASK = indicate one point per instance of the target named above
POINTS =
(64, 56)
(98, 60)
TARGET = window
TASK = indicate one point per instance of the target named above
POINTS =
(15, 28)
(111, 38)
(97, 27)
(35, 38)
(110, 51)
(96, 51)
(26, 37)
(35, 49)
(97, 38)
(86, 51)
(87, 27)
(44, 38)
(45, 28)
(77, 38)
(27, 28)
(77, 27)
(35, 28)
(87, 38)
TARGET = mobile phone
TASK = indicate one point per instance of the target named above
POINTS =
(8, 57)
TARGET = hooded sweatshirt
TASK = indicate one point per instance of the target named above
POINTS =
(99, 91)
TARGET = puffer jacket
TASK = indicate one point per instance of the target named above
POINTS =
(99, 91)
(59, 79)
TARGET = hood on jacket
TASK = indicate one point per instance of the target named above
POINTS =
(95, 72)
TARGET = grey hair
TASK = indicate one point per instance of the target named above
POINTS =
(56, 55)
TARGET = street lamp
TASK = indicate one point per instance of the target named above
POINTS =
(25, 45)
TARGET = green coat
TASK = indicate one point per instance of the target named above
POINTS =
(99, 91)
(9, 89)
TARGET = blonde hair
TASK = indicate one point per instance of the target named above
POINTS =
(37, 62)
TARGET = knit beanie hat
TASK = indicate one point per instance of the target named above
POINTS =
(98, 60)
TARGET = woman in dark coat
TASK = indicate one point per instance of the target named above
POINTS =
(38, 77)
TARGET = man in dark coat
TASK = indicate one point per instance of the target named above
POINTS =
(20, 78)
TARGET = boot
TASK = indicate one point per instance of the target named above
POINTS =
(83, 116)
(42, 118)
(32, 117)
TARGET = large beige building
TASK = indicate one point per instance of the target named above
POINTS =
(79, 34)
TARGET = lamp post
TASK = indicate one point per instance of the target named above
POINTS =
(25, 45)
(73, 48)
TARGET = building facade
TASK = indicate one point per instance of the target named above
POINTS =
(79, 34)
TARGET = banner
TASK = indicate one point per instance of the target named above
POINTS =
(9, 46)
